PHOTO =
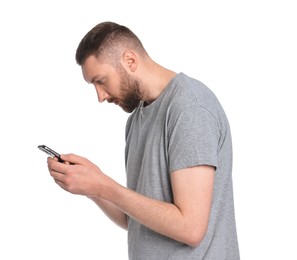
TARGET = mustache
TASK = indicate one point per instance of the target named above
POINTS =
(114, 101)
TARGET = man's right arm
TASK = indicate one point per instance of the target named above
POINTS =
(115, 214)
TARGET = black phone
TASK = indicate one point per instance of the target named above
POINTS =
(50, 152)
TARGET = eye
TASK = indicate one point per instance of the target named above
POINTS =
(99, 81)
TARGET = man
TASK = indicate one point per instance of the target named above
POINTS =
(178, 203)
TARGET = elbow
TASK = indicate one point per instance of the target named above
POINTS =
(193, 241)
(124, 223)
(194, 237)
(123, 226)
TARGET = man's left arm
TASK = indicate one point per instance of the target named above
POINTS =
(184, 220)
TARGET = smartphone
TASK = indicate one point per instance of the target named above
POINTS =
(50, 152)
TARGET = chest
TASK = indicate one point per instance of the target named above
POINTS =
(147, 156)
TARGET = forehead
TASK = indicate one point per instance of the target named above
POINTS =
(93, 69)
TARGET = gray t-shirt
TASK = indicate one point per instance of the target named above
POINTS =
(185, 126)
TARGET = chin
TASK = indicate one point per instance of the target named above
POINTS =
(127, 109)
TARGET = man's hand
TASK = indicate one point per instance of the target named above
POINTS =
(78, 175)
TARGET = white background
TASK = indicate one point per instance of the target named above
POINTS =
(245, 51)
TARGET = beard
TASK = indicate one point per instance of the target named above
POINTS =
(130, 93)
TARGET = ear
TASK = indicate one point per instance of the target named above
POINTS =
(130, 60)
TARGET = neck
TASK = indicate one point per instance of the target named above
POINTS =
(155, 80)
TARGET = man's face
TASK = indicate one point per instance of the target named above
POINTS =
(113, 85)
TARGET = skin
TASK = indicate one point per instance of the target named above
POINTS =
(184, 220)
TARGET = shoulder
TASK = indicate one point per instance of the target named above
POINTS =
(188, 90)
(189, 94)
(193, 104)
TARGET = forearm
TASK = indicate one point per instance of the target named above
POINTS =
(162, 217)
(111, 211)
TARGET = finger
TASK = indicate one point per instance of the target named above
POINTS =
(57, 175)
(60, 160)
(55, 158)
(56, 166)
(74, 159)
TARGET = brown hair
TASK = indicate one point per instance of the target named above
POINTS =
(107, 39)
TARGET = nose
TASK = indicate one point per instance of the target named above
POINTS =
(101, 94)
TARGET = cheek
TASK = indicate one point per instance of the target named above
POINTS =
(113, 85)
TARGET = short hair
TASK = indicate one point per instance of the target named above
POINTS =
(107, 39)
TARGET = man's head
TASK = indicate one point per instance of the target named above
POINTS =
(106, 41)
(107, 54)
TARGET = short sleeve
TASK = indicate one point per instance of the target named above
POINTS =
(193, 136)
